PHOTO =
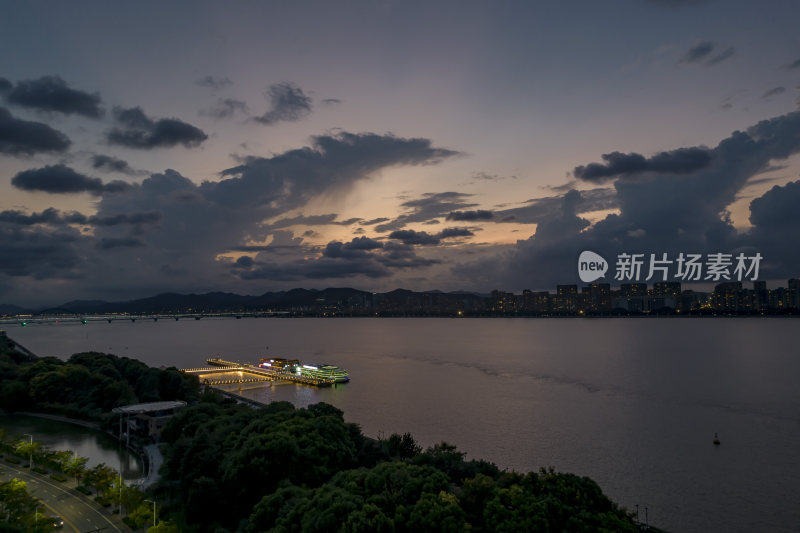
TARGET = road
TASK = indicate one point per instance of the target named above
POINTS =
(79, 513)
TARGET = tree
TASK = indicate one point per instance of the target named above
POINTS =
(18, 506)
(101, 478)
(368, 519)
(402, 446)
(437, 513)
(76, 466)
(141, 516)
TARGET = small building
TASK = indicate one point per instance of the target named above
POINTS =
(147, 420)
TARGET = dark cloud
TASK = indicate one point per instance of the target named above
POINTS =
(5, 86)
(145, 217)
(332, 163)
(50, 216)
(423, 238)
(483, 176)
(680, 161)
(795, 64)
(204, 224)
(139, 131)
(360, 257)
(479, 214)
(312, 220)
(288, 103)
(403, 256)
(429, 206)
(703, 52)
(54, 217)
(722, 56)
(322, 268)
(22, 137)
(357, 248)
(109, 243)
(411, 237)
(777, 207)
(374, 221)
(698, 52)
(214, 82)
(775, 224)
(60, 179)
(331, 101)
(225, 108)
(669, 213)
(773, 92)
(112, 164)
(41, 252)
(364, 243)
(52, 94)
(449, 233)
(245, 261)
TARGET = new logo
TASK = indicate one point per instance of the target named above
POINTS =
(591, 266)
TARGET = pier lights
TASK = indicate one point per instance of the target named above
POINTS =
(154, 511)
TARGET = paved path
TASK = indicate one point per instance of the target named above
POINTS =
(80, 514)
(154, 462)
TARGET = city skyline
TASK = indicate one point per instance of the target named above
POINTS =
(457, 146)
(571, 299)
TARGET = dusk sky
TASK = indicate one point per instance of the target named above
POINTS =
(254, 146)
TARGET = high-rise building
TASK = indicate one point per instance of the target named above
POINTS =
(794, 293)
(760, 296)
(503, 302)
(633, 290)
(597, 297)
(566, 299)
(728, 296)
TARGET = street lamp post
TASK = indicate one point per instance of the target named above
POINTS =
(154, 511)
(30, 451)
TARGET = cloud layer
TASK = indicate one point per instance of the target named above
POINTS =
(288, 103)
(136, 130)
(23, 137)
(52, 94)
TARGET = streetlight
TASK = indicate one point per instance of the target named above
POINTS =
(154, 511)
(30, 450)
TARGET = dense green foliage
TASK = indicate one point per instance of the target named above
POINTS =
(280, 469)
(88, 385)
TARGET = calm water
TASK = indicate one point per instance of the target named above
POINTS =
(632, 403)
(96, 446)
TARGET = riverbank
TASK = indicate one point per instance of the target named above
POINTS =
(67, 420)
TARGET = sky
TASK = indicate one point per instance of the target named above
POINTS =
(260, 146)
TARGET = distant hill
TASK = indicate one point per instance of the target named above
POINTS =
(330, 300)
(9, 309)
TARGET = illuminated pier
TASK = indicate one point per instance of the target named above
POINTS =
(251, 373)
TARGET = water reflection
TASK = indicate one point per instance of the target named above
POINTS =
(95, 445)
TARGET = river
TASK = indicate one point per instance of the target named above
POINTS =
(634, 403)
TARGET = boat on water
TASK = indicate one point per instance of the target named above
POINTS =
(296, 367)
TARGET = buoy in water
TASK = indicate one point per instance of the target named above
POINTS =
(716, 440)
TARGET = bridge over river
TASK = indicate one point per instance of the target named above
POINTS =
(25, 320)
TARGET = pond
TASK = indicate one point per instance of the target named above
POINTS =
(96, 446)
